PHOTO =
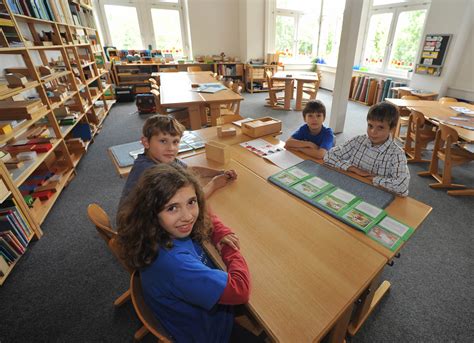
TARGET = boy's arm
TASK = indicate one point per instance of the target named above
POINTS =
(205, 171)
(314, 152)
(293, 143)
(340, 156)
(399, 178)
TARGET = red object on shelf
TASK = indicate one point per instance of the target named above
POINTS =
(43, 195)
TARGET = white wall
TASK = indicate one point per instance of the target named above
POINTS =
(214, 26)
(462, 85)
(450, 17)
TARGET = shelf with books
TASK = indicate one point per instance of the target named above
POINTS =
(369, 90)
(42, 209)
(57, 110)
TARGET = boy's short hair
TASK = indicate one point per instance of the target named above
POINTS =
(162, 124)
(314, 106)
(384, 111)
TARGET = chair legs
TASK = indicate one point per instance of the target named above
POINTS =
(142, 332)
(122, 299)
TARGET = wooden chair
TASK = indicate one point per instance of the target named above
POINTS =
(310, 88)
(103, 226)
(447, 99)
(445, 149)
(420, 133)
(403, 118)
(180, 113)
(273, 99)
(231, 112)
(146, 316)
(194, 68)
(169, 70)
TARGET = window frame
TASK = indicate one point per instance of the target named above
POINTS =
(270, 42)
(145, 21)
(396, 9)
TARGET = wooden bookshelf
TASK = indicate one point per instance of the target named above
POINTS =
(58, 52)
(137, 74)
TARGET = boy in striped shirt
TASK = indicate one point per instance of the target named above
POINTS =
(375, 155)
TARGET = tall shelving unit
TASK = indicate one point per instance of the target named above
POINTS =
(63, 64)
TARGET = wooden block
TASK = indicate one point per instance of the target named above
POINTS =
(261, 127)
(221, 133)
(44, 195)
(50, 186)
(45, 70)
(16, 80)
(217, 152)
(5, 128)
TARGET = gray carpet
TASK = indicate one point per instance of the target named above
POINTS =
(63, 288)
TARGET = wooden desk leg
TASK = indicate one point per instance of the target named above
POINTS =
(194, 117)
(299, 95)
(288, 94)
(369, 301)
(467, 192)
(339, 330)
(202, 110)
(215, 113)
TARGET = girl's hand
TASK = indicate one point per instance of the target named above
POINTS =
(231, 240)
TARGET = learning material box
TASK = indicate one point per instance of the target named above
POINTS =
(261, 127)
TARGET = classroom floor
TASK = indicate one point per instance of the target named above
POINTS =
(63, 288)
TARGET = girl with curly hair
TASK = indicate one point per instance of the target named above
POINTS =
(161, 231)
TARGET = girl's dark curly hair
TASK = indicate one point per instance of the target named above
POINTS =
(140, 234)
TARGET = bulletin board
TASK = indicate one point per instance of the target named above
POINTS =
(433, 54)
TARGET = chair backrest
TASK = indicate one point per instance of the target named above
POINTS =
(268, 75)
(169, 70)
(448, 134)
(152, 81)
(144, 313)
(194, 68)
(101, 221)
(416, 121)
(410, 97)
(447, 99)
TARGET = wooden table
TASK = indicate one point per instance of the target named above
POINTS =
(176, 91)
(407, 210)
(411, 91)
(306, 271)
(301, 78)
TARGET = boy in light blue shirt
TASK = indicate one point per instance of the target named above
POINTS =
(312, 138)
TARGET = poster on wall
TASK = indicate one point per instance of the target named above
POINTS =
(433, 54)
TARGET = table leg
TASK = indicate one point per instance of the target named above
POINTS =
(339, 330)
(215, 113)
(467, 192)
(194, 117)
(369, 301)
(299, 95)
(288, 94)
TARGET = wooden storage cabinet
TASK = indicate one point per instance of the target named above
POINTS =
(255, 77)
(51, 106)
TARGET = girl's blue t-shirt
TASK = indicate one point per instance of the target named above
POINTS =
(183, 287)
(324, 139)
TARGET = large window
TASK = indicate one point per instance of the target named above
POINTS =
(305, 30)
(140, 24)
(393, 35)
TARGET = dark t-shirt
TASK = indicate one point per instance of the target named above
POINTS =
(141, 164)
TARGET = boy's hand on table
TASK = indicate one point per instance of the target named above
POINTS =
(221, 180)
(231, 240)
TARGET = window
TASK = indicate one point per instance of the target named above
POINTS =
(393, 36)
(304, 30)
(123, 26)
(141, 24)
(167, 30)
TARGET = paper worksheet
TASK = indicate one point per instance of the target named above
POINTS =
(283, 159)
